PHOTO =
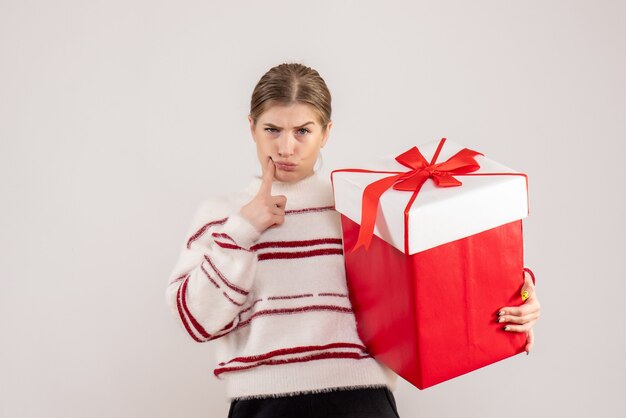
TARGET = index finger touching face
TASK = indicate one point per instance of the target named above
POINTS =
(268, 177)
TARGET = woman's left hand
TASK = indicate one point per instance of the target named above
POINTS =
(522, 318)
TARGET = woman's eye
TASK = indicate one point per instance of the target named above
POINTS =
(270, 129)
(303, 129)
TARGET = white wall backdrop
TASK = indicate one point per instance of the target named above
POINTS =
(118, 117)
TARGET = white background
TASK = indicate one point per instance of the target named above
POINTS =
(117, 118)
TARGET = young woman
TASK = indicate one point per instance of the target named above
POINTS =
(262, 273)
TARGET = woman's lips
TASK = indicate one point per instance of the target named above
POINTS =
(286, 167)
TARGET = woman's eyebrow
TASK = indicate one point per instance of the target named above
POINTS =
(275, 126)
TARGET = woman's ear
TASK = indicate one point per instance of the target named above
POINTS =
(251, 122)
(328, 126)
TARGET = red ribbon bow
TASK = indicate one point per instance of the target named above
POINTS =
(442, 173)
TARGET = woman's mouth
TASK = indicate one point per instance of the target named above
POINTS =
(285, 166)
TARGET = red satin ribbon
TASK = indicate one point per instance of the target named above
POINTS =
(461, 163)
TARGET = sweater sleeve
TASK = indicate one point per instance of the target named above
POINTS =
(214, 273)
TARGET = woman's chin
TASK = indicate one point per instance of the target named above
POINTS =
(287, 176)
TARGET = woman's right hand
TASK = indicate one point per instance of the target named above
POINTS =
(265, 210)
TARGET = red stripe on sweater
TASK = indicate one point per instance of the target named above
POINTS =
(300, 254)
(218, 286)
(206, 273)
(320, 356)
(304, 210)
(182, 315)
(222, 235)
(221, 276)
(289, 311)
(293, 350)
(290, 296)
(229, 298)
(193, 321)
(178, 279)
(181, 308)
(251, 306)
(302, 243)
(230, 246)
(228, 325)
(200, 231)
(341, 295)
(225, 330)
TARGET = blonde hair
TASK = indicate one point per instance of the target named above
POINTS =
(290, 83)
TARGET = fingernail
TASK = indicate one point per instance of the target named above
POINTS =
(528, 352)
(501, 313)
(506, 328)
(500, 319)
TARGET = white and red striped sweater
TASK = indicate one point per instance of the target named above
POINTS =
(276, 302)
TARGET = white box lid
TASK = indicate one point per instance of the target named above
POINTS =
(439, 214)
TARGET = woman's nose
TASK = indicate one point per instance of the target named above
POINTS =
(286, 145)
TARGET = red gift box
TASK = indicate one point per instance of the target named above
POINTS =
(430, 315)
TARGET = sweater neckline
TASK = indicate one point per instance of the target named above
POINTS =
(310, 184)
(311, 191)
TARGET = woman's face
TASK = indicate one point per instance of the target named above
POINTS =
(292, 136)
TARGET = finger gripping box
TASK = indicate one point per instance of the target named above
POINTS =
(433, 247)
